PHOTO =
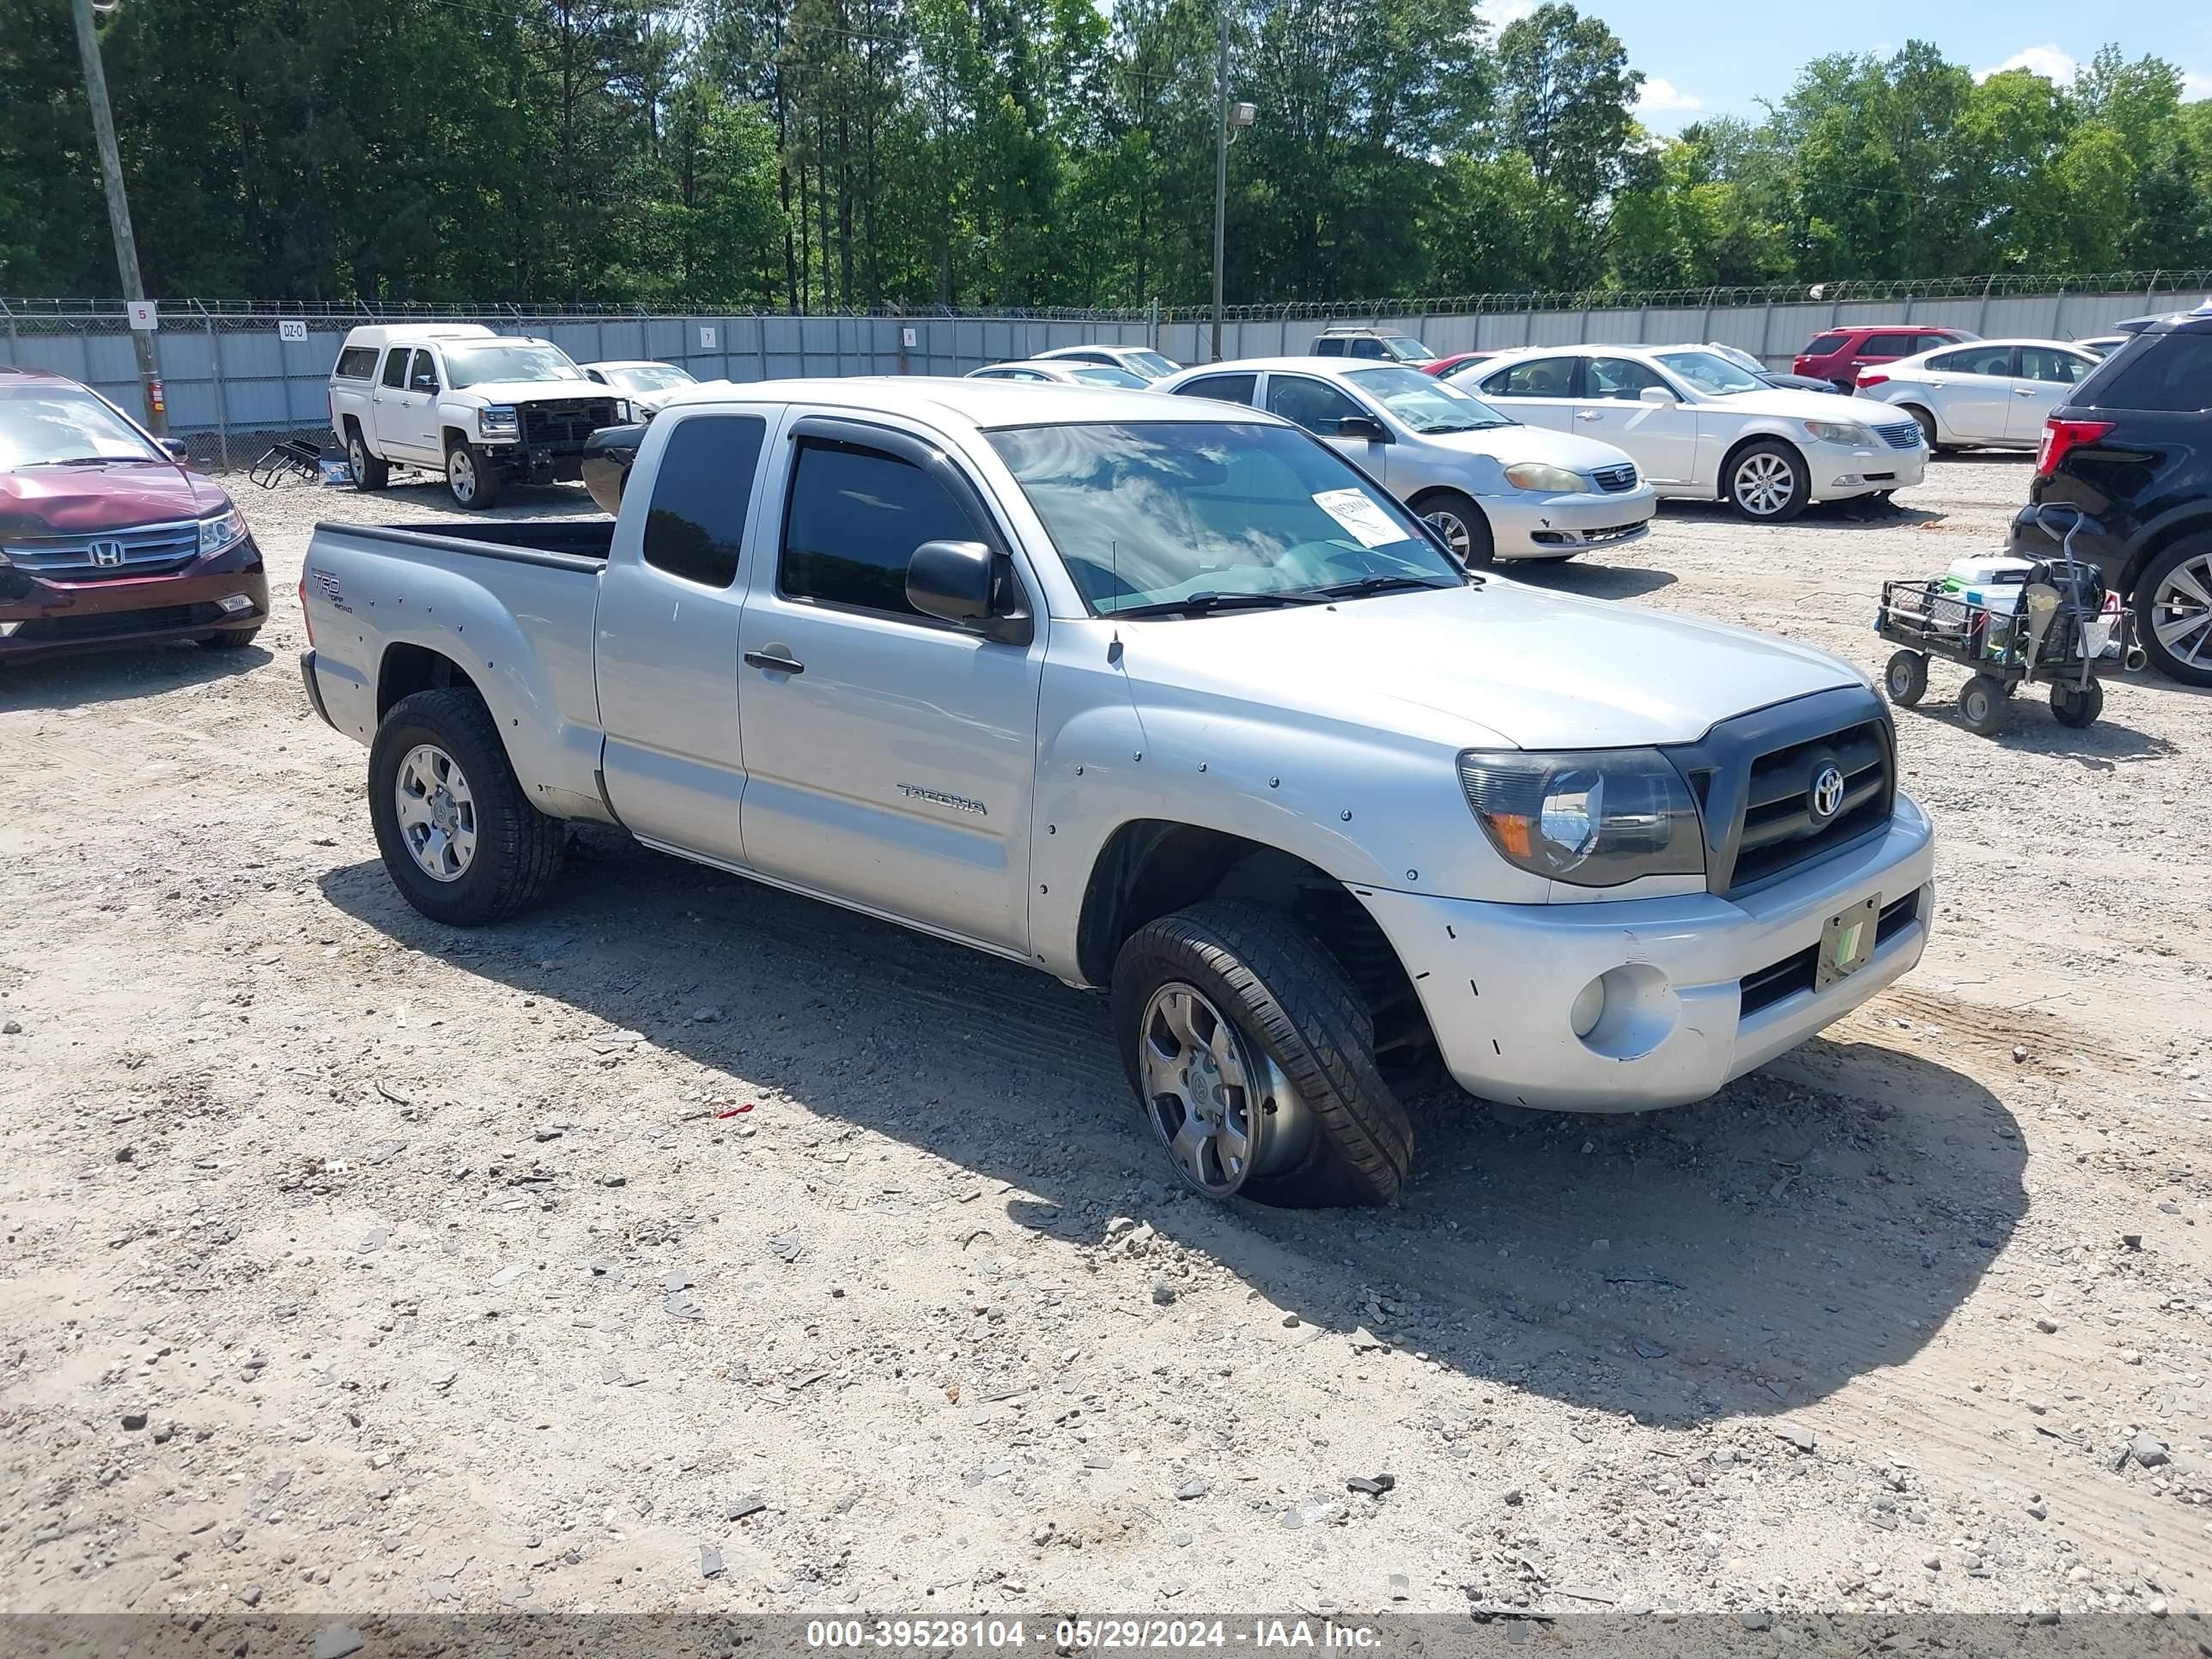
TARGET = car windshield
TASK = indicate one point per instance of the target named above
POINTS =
(474, 365)
(56, 426)
(1712, 374)
(1151, 365)
(1425, 403)
(1193, 516)
(645, 377)
(1735, 355)
(1408, 349)
(1099, 374)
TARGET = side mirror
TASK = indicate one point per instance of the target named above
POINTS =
(609, 454)
(1364, 427)
(968, 583)
(175, 448)
(1657, 394)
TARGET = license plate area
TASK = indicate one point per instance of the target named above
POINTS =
(1847, 942)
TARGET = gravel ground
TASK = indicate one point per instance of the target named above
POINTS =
(354, 1263)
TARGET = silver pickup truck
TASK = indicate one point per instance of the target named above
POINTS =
(1164, 699)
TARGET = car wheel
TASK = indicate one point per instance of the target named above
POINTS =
(2173, 611)
(470, 477)
(1981, 704)
(237, 640)
(1461, 524)
(2077, 705)
(366, 472)
(460, 839)
(1927, 424)
(1768, 482)
(1907, 677)
(1253, 1060)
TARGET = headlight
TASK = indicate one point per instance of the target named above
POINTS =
(499, 421)
(1550, 480)
(221, 532)
(1841, 432)
(1596, 818)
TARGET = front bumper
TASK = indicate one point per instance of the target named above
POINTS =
(1839, 473)
(1524, 525)
(536, 464)
(52, 617)
(1497, 980)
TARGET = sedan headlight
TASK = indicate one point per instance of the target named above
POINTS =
(1841, 432)
(225, 530)
(499, 421)
(1594, 818)
(1548, 480)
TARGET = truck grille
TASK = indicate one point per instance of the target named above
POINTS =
(1779, 830)
(1799, 971)
(1904, 434)
(565, 424)
(149, 550)
(1614, 479)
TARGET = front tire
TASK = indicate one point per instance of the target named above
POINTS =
(460, 839)
(2077, 705)
(1768, 482)
(1253, 1060)
(1981, 705)
(1461, 524)
(471, 479)
(2173, 611)
(1906, 678)
(236, 639)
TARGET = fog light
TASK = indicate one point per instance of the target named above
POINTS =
(1848, 481)
(234, 603)
(1590, 1007)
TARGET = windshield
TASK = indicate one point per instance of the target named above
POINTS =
(1735, 355)
(1145, 513)
(1424, 403)
(1099, 374)
(1151, 365)
(1716, 376)
(473, 365)
(650, 377)
(1408, 349)
(54, 425)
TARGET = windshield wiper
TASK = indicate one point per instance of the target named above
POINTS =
(1197, 605)
(91, 460)
(1367, 584)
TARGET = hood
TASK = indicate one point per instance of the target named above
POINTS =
(1540, 670)
(61, 501)
(1780, 403)
(1508, 444)
(531, 392)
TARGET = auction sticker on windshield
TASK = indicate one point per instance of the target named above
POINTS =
(1360, 513)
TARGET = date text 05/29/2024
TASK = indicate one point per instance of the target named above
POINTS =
(1071, 1634)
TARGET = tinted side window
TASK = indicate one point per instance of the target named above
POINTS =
(357, 363)
(1822, 345)
(1540, 377)
(1975, 359)
(1621, 378)
(1330, 345)
(1888, 345)
(1223, 388)
(1364, 347)
(395, 367)
(700, 496)
(853, 519)
(1314, 404)
(2172, 372)
(424, 377)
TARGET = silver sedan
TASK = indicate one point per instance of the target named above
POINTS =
(1494, 487)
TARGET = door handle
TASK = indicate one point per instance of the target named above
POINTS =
(2023, 391)
(775, 660)
(1589, 414)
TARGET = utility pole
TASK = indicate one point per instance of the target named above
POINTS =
(118, 213)
(1220, 161)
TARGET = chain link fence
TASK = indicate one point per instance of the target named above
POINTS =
(241, 377)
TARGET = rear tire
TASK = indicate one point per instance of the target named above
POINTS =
(1981, 705)
(515, 851)
(471, 479)
(2173, 592)
(2077, 705)
(368, 471)
(1907, 677)
(1461, 524)
(1766, 482)
(1323, 1127)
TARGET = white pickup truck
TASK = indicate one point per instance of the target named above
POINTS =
(1164, 699)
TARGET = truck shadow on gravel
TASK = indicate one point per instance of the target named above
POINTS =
(152, 671)
(1745, 1256)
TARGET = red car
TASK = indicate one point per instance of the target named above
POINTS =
(1458, 362)
(1838, 355)
(107, 539)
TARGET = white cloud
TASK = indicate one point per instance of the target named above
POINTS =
(2047, 61)
(2194, 86)
(1660, 95)
(1499, 13)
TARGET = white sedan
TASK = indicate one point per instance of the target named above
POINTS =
(646, 384)
(1995, 394)
(1062, 370)
(1140, 361)
(1699, 427)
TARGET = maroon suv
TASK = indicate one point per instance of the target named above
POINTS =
(106, 538)
(1838, 356)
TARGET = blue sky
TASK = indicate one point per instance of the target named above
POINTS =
(1721, 59)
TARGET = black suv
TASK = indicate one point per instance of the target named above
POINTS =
(2133, 450)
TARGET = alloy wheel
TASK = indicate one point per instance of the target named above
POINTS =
(1224, 1110)
(2181, 611)
(1763, 484)
(437, 813)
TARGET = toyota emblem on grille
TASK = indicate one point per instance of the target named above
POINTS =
(106, 553)
(1825, 797)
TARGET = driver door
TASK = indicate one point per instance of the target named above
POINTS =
(888, 755)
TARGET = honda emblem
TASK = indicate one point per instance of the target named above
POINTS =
(106, 554)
